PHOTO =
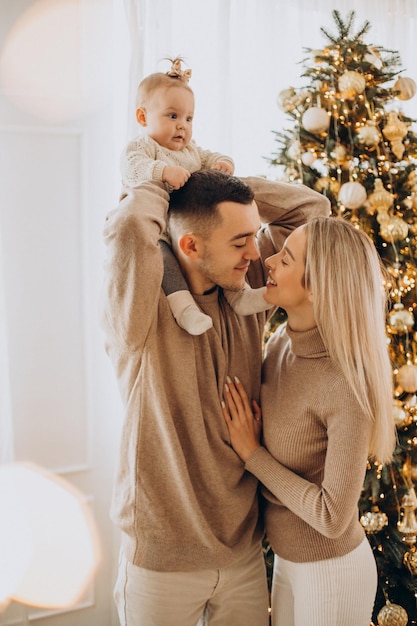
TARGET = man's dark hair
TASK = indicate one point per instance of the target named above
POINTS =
(194, 206)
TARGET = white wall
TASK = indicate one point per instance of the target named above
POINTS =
(58, 180)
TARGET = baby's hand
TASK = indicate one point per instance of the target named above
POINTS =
(224, 166)
(175, 176)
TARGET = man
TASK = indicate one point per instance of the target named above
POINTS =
(188, 511)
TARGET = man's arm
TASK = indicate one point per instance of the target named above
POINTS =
(282, 208)
(133, 267)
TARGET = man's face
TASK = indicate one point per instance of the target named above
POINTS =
(225, 256)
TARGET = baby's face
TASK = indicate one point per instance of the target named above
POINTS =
(169, 117)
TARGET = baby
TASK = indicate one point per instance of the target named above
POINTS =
(166, 152)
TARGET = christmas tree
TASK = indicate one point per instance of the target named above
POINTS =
(350, 140)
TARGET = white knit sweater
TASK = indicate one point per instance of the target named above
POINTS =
(144, 159)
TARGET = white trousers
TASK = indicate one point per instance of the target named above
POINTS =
(232, 596)
(333, 592)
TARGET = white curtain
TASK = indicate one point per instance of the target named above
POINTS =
(244, 52)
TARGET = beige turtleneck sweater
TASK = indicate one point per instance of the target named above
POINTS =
(316, 441)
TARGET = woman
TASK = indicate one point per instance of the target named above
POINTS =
(326, 404)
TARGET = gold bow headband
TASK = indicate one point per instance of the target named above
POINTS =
(177, 72)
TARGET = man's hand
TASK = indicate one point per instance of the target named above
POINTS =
(175, 176)
(224, 166)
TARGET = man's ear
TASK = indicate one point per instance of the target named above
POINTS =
(188, 245)
(141, 116)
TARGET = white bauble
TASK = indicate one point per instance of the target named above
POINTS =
(308, 157)
(369, 134)
(406, 86)
(316, 120)
(400, 415)
(293, 151)
(320, 167)
(351, 84)
(352, 195)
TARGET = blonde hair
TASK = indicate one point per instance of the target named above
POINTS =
(345, 275)
(175, 77)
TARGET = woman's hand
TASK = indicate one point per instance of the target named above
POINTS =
(242, 419)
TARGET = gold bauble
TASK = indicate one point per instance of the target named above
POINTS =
(373, 521)
(327, 183)
(400, 320)
(410, 499)
(383, 218)
(369, 134)
(393, 228)
(410, 560)
(401, 416)
(285, 99)
(394, 128)
(380, 198)
(397, 148)
(351, 84)
(407, 377)
(406, 87)
(408, 524)
(392, 615)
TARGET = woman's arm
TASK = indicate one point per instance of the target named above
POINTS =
(329, 506)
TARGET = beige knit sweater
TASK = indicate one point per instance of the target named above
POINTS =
(144, 159)
(316, 443)
(182, 496)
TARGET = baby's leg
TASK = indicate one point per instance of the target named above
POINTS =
(182, 304)
(247, 301)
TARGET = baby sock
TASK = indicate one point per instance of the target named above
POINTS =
(187, 313)
(247, 301)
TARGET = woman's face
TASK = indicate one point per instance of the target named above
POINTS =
(285, 284)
